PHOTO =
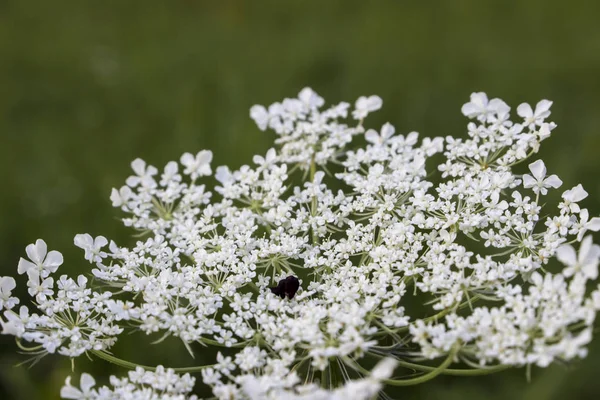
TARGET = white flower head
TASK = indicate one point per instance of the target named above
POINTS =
(310, 98)
(224, 175)
(224, 269)
(585, 262)
(366, 105)
(92, 247)
(378, 139)
(538, 182)
(198, 165)
(7, 284)
(260, 115)
(537, 117)
(15, 323)
(479, 107)
(545, 130)
(586, 224)
(144, 174)
(573, 196)
(121, 197)
(267, 160)
(38, 286)
(42, 260)
(86, 391)
(384, 369)
(170, 174)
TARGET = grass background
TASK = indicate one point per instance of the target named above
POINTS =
(87, 86)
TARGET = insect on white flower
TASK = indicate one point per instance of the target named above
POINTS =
(302, 262)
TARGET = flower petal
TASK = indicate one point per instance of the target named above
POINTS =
(100, 242)
(372, 136)
(87, 382)
(186, 159)
(387, 130)
(479, 99)
(70, 392)
(594, 224)
(553, 181)
(576, 194)
(524, 110)
(7, 284)
(83, 240)
(204, 157)
(528, 181)
(585, 248)
(566, 254)
(36, 252)
(542, 108)
(138, 166)
(53, 259)
(24, 266)
(538, 169)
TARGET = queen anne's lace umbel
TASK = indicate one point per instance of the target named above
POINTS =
(324, 256)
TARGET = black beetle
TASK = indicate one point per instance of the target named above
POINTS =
(286, 287)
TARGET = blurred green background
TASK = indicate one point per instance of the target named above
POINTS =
(87, 86)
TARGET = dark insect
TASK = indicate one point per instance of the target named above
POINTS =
(286, 287)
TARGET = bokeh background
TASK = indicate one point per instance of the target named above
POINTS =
(87, 86)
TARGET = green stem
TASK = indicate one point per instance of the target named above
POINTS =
(254, 287)
(427, 377)
(447, 371)
(215, 343)
(129, 365)
(325, 378)
(442, 313)
(313, 168)
(28, 349)
(414, 381)
(313, 204)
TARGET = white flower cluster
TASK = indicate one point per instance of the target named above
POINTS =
(74, 319)
(163, 384)
(255, 387)
(323, 254)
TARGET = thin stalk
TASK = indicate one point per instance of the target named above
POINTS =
(129, 365)
(313, 204)
(428, 376)
(448, 371)
(413, 381)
